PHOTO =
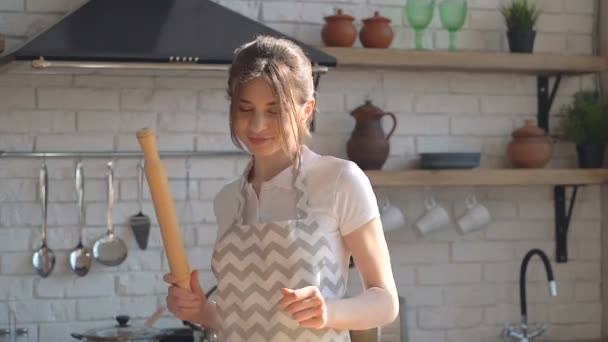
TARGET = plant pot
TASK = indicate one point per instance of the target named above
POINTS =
(521, 41)
(590, 156)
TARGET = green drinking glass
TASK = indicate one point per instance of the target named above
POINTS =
(419, 14)
(453, 14)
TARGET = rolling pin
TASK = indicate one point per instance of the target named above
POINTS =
(164, 207)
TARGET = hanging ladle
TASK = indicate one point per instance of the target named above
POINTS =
(80, 257)
(44, 258)
(110, 250)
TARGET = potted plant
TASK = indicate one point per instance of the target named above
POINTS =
(520, 17)
(586, 124)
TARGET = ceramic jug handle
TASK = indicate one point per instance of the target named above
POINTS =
(388, 136)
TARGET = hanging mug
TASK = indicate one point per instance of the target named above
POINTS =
(475, 217)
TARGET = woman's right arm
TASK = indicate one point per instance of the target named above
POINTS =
(191, 305)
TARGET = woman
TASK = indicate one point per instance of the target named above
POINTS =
(289, 224)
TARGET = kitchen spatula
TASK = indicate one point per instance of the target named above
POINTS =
(140, 223)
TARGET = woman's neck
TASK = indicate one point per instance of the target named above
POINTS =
(267, 167)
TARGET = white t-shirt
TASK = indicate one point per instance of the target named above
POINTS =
(339, 193)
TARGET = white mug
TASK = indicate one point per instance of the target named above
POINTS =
(475, 217)
(435, 218)
(392, 217)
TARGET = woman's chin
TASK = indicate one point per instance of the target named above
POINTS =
(262, 150)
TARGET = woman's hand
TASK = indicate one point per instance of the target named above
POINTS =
(306, 306)
(187, 305)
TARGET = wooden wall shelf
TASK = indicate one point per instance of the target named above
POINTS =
(488, 177)
(492, 62)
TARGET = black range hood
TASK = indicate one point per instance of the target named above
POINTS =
(152, 34)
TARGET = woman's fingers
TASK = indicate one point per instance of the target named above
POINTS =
(305, 304)
(308, 314)
(182, 294)
(168, 278)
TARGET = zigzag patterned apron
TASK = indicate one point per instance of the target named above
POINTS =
(254, 262)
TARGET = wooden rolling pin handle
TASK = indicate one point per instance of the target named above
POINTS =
(164, 208)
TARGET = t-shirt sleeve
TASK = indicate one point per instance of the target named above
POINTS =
(355, 201)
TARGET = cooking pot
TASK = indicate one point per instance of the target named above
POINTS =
(124, 332)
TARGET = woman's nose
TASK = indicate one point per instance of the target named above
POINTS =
(258, 122)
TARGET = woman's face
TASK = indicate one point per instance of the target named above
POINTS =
(257, 118)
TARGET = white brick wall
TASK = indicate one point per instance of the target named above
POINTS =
(457, 288)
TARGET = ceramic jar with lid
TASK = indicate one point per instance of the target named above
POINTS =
(339, 30)
(531, 147)
(376, 32)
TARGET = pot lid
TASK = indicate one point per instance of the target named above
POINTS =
(339, 16)
(529, 130)
(121, 332)
(377, 18)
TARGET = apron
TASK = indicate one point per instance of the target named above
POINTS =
(253, 262)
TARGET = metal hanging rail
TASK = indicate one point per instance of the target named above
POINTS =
(110, 154)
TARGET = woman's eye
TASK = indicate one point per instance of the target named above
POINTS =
(246, 110)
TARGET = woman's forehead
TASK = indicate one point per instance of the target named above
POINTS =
(256, 90)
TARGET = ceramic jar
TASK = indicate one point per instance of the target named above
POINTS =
(368, 145)
(376, 32)
(339, 30)
(531, 147)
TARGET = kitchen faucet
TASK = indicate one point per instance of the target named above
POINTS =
(523, 333)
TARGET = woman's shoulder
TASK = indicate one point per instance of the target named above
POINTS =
(225, 204)
(326, 167)
(228, 191)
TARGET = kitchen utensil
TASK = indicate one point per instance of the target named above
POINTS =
(122, 332)
(435, 161)
(164, 208)
(339, 30)
(376, 32)
(80, 257)
(392, 217)
(140, 223)
(368, 145)
(475, 217)
(155, 317)
(44, 258)
(126, 332)
(110, 250)
(530, 146)
(435, 217)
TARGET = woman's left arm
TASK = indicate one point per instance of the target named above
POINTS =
(378, 304)
(356, 209)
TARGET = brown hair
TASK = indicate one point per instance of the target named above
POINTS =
(287, 70)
